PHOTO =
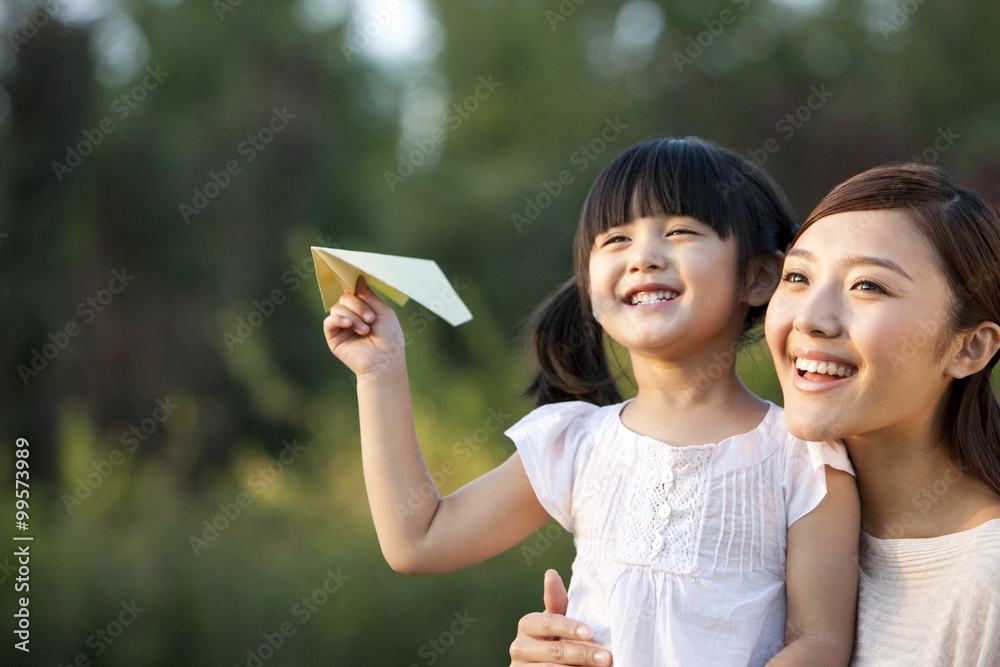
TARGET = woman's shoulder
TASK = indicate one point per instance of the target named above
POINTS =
(930, 600)
(984, 540)
(976, 551)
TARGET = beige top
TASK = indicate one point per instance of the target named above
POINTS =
(931, 602)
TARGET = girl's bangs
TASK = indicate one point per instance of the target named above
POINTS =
(666, 177)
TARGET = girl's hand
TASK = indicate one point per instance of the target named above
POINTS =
(364, 333)
(539, 635)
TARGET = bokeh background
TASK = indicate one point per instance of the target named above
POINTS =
(196, 488)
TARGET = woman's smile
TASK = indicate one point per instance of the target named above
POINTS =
(818, 371)
(850, 327)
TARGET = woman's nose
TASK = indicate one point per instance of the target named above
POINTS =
(818, 313)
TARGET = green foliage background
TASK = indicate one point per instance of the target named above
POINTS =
(899, 75)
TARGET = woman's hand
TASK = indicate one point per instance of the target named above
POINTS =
(364, 332)
(542, 636)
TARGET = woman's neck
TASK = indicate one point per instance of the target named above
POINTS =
(910, 488)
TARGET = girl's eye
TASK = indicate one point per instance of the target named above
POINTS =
(867, 285)
(614, 238)
(793, 277)
(676, 232)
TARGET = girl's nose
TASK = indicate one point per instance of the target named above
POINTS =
(646, 256)
(817, 314)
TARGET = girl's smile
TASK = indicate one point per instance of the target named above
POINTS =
(651, 294)
(665, 280)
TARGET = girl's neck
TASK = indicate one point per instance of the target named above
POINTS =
(910, 488)
(687, 394)
(693, 402)
(707, 377)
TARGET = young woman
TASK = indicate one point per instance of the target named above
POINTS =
(895, 277)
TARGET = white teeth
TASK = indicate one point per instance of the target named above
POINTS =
(825, 367)
(652, 297)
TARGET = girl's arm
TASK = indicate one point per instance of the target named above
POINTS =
(419, 532)
(822, 578)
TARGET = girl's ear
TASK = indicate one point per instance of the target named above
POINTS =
(763, 276)
(978, 345)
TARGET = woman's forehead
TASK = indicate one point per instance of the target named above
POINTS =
(888, 232)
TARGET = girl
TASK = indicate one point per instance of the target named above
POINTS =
(895, 276)
(691, 504)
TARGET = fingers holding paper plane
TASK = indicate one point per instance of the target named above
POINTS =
(398, 278)
(353, 311)
(364, 332)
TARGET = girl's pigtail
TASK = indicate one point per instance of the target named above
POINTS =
(975, 428)
(569, 349)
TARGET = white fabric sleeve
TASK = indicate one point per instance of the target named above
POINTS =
(805, 475)
(548, 440)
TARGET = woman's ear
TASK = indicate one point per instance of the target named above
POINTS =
(763, 276)
(978, 345)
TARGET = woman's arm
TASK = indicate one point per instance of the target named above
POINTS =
(419, 533)
(822, 578)
(539, 634)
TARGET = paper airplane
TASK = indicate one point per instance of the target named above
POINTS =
(399, 278)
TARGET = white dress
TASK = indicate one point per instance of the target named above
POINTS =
(680, 550)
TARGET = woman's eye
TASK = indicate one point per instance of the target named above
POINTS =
(865, 285)
(793, 277)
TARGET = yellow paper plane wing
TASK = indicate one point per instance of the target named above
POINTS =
(399, 278)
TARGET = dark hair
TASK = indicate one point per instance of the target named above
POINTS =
(684, 177)
(965, 232)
